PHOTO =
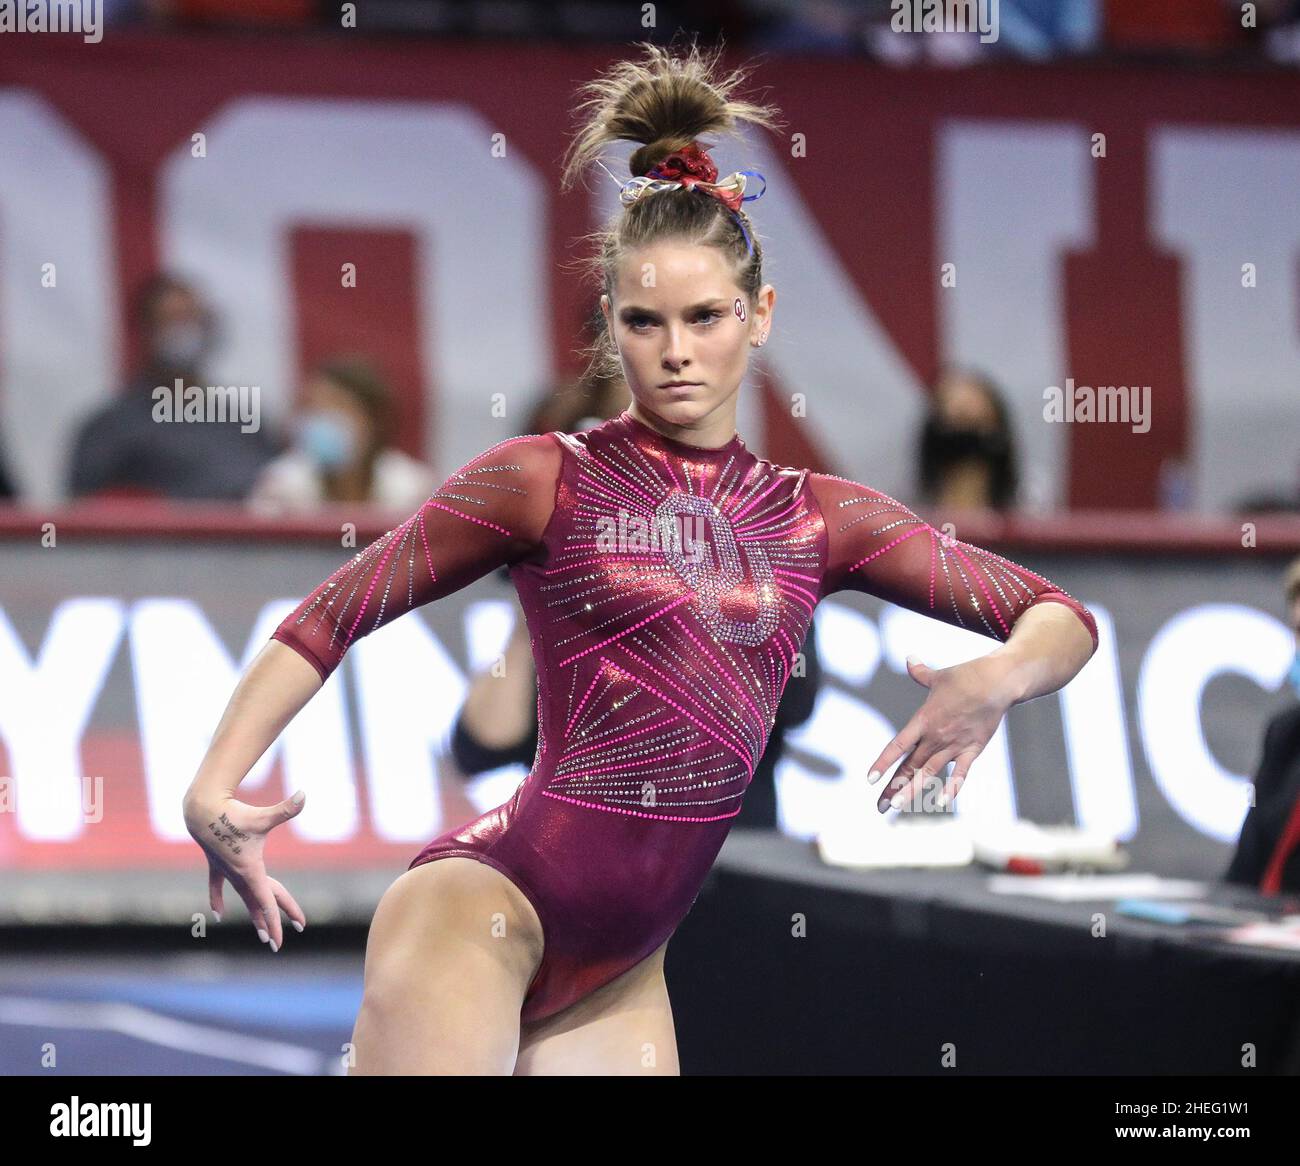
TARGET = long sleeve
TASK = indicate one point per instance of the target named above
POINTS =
(491, 512)
(877, 545)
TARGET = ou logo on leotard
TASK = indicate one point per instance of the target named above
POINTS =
(711, 580)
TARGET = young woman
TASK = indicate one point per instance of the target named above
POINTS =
(532, 938)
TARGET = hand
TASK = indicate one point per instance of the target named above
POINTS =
(962, 712)
(233, 834)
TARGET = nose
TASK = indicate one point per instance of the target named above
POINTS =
(674, 355)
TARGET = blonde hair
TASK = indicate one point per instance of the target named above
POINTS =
(664, 102)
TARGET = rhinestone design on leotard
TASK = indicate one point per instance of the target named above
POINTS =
(967, 585)
(673, 659)
(378, 565)
(659, 668)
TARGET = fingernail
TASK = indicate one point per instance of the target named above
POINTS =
(296, 924)
(298, 798)
(274, 946)
(941, 801)
(898, 799)
(262, 935)
(217, 916)
(874, 776)
(913, 660)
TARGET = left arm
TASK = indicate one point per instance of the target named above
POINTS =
(877, 545)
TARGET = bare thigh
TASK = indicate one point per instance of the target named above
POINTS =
(452, 949)
(624, 1028)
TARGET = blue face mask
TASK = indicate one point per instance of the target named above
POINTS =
(326, 438)
(1294, 675)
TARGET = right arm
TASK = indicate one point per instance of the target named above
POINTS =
(492, 511)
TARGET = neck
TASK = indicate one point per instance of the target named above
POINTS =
(711, 432)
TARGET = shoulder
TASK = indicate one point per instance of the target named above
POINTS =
(537, 459)
(832, 493)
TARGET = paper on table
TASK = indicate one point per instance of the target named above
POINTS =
(1267, 935)
(1075, 887)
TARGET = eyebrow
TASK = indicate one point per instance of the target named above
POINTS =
(634, 310)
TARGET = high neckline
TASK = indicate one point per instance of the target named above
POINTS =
(735, 445)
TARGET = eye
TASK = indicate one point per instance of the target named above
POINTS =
(634, 322)
(710, 317)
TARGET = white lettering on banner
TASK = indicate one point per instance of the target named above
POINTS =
(1221, 198)
(1097, 739)
(1197, 645)
(55, 207)
(184, 677)
(848, 645)
(44, 708)
(404, 723)
(1012, 198)
(835, 735)
(480, 233)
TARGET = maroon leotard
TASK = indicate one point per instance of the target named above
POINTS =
(660, 660)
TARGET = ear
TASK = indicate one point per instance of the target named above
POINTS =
(605, 306)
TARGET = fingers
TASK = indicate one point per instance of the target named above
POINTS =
(919, 783)
(959, 771)
(289, 905)
(266, 917)
(916, 788)
(900, 746)
(267, 818)
(259, 898)
(215, 900)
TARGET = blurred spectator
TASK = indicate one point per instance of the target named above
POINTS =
(124, 448)
(967, 449)
(1268, 850)
(343, 448)
(7, 490)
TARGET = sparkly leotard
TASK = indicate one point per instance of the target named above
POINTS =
(667, 590)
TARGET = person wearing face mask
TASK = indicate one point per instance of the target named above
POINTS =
(1268, 850)
(341, 448)
(967, 450)
(123, 448)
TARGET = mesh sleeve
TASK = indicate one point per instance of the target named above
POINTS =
(491, 512)
(877, 545)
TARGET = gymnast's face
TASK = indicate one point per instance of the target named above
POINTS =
(674, 317)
